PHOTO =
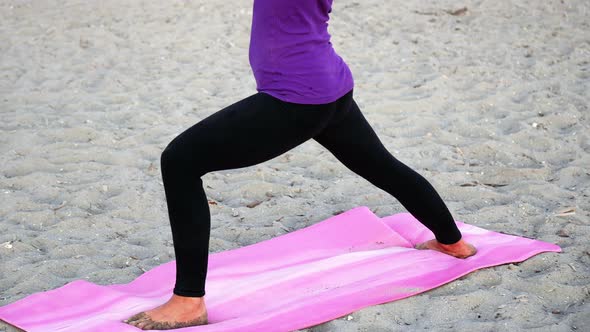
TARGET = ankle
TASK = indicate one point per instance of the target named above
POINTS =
(457, 244)
(188, 300)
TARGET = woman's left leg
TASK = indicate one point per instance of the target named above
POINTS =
(248, 132)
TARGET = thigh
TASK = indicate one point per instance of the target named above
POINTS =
(250, 131)
(352, 140)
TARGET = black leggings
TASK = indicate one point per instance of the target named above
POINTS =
(261, 127)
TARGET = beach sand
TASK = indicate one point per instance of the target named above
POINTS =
(490, 104)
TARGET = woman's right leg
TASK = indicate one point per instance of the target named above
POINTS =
(248, 132)
(350, 138)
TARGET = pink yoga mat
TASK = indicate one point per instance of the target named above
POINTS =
(304, 278)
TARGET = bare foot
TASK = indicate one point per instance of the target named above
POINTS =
(179, 311)
(459, 249)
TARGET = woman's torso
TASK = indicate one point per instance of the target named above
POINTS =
(291, 55)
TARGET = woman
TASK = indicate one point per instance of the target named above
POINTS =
(305, 91)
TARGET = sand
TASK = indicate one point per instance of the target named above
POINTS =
(490, 104)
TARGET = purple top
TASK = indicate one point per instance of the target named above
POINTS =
(291, 55)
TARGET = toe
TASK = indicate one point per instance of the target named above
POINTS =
(135, 317)
(142, 324)
(149, 325)
(423, 245)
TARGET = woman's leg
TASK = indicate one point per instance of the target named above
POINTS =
(253, 130)
(350, 138)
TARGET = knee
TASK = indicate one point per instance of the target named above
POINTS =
(176, 159)
(171, 159)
